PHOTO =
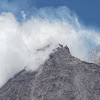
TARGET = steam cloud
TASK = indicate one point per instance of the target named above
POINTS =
(19, 42)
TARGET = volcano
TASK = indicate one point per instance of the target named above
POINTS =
(61, 77)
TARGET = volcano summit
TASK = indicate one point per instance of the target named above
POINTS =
(62, 77)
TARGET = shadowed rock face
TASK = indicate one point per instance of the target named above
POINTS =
(62, 77)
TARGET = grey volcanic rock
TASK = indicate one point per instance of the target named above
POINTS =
(62, 77)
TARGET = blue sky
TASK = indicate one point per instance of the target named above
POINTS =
(86, 10)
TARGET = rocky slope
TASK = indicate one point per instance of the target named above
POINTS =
(62, 77)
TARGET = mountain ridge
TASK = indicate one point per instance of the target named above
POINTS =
(62, 77)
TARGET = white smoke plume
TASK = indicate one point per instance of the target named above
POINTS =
(19, 42)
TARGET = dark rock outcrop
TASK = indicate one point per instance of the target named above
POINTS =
(62, 77)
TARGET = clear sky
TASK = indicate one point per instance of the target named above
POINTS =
(86, 10)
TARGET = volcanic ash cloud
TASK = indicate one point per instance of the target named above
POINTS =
(28, 44)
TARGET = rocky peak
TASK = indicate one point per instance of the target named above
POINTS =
(62, 77)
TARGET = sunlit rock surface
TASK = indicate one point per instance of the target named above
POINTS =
(62, 77)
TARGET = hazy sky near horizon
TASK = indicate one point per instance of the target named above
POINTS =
(86, 10)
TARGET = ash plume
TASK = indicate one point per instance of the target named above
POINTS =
(28, 44)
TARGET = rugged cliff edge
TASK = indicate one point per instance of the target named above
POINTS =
(62, 77)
